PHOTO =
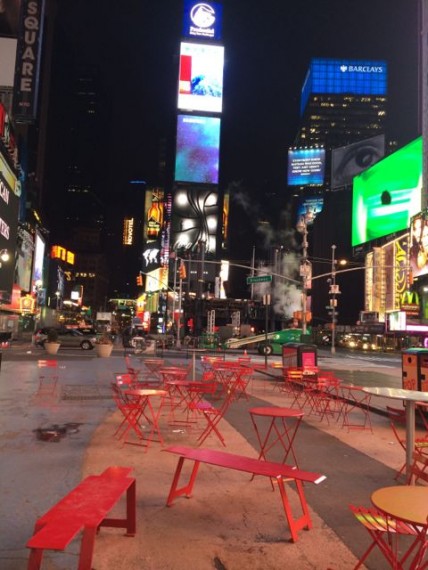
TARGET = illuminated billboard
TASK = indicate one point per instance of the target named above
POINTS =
(153, 214)
(348, 161)
(9, 205)
(195, 219)
(202, 19)
(24, 259)
(306, 166)
(418, 254)
(198, 148)
(308, 208)
(387, 195)
(344, 76)
(39, 256)
(200, 83)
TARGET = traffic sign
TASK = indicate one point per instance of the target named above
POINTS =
(259, 279)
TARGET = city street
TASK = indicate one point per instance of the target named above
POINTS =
(229, 523)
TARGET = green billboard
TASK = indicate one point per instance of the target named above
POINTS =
(387, 195)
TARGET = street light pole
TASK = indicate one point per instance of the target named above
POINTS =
(333, 300)
(303, 229)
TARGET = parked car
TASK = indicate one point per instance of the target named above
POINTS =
(67, 338)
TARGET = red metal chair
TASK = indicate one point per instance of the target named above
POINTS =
(419, 468)
(130, 410)
(48, 377)
(384, 531)
(397, 419)
(214, 415)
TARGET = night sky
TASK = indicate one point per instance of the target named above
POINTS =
(268, 46)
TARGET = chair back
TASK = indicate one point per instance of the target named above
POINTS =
(397, 419)
(419, 468)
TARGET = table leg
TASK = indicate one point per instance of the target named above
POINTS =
(410, 436)
(193, 366)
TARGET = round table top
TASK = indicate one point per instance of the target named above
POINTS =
(145, 392)
(276, 412)
(398, 394)
(406, 502)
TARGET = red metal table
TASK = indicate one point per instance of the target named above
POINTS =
(143, 398)
(279, 431)
(408, 504)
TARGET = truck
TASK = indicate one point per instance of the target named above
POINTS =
(103, 322)
(267, 344)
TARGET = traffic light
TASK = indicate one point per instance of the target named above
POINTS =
(182, 270)
(140, 280)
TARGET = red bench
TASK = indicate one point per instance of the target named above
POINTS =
(277, 471)
(85, 509)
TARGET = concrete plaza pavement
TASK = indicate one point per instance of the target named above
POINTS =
(230, 523)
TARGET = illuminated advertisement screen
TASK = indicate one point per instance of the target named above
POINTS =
(200, 82)
(194, 219)
(418, 254)
(348, 161)
(335, 76)
(308, 208)
(24, 258)
(39, 255)
(306, 166)
(202, 20)
(387, 195)
(153, 214)
(9, 206)
(198, 147)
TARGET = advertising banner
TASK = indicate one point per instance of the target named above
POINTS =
(198, 149)
(306, 166)
(419, 244)
(9, 206)
(202, 20)
(200, 83)
(348, 161)
(153, 214)
(39, 257)
(195, 219)
(308, 208)
(28, 61)
(387, 195)
(24, 259)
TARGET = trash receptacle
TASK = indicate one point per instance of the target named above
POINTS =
(415, 369)
(299, 354)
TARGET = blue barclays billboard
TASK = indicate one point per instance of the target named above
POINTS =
(202, 20)
(351, 76)
(306, 166)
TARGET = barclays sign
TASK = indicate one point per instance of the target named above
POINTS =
(361, 68)
(202, 20)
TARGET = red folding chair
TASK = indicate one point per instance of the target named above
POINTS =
(385, 531)
(48, 377)
(214, 415)
(397, 419)
(131, 411)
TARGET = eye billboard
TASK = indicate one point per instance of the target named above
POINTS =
(306, 166)
(387, 195)
(348, 161)
(200, 83)
(197, 150)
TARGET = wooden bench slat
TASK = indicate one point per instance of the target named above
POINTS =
(248, 464)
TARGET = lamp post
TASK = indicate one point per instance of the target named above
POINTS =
(304, 268)
(334, 290)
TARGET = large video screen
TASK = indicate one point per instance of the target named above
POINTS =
(348, 161)
(200, 83)
(202, 19)
(195, 219)
(387, 195)
(306, 166)
(198, 148)
(308, 208)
